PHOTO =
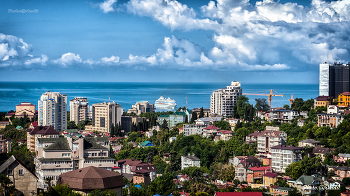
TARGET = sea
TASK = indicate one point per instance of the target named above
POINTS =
(194, 95)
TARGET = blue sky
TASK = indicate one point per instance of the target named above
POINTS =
(174, 41)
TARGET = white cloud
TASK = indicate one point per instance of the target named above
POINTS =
(107, 6)
(68, 59)
(112, 59)
(37, 60)
(13, 48)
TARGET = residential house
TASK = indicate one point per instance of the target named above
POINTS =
(308, 142)
(332, 109)
(5, 144)
(210, 131)
(323, 101)
(280, 190)
(243, 165)
(270, 138)
(225, 135)
(130, 166)
(329, 120)
(190, 161)
(87, 179)
(236, 160)
(3, 124)
(142, 176)
(59, 155)
(257, 173)
(286, 116)
(341, 158)
(205, 111)
(269, 179)
(39, 132)
(307, 185)
(207, 120)
(340, 171)
(192, 129)
(319, 151)
(252, 138)
(172, 119)
(283, 155)
(233, 122)
(344, 99)
(22, 178)
(33, 125)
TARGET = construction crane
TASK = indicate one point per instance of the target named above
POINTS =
(269, 95)
(291, 101)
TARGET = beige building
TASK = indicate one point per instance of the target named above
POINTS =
(23, 179)
(141, 107)
(25, 108)
(52, 110)
(59, 155)
(5, 144)
(269, 138)
(223, 100)
(78, 108)
(103, 116)
(39, 132)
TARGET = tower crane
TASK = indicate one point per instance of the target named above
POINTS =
(291, 101)
(269, 95)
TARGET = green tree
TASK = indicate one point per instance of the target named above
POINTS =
(223, 124)
(201, 113)
(163, 185)
(261, 104)
(286, 106)
(71, 125)
(165, 124)
(194, 117)
(242, 105)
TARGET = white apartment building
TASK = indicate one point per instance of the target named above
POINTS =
(192, 129)
(78, 108)
(142, 107)
(52, 110)
(56, 156)
(283, 155)
(103, 116)
(269, 138)
(190, 161)
(223, 100)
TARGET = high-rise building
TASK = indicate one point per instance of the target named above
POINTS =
(103, 116)
(52, 110)
(223, 100)
(334, 79)
(78, 108)
(141, 107)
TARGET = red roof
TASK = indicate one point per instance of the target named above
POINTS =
(345, 93)
(260, 168)
(211, 127)
(34, 124)
(44, 130)
(272, 175)
(238, 194)
(115, 167)
(181, 128)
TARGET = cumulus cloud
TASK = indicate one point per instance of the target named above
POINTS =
(12, 47)
(68, 59)
(107, 6)
(39, 60)
(112, 59)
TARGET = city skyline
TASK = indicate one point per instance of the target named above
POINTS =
(172, 41)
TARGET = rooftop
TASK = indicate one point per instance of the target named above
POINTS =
(44, 130)
(60, 144)
(285, 147)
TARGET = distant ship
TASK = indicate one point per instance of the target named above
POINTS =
(163, 103)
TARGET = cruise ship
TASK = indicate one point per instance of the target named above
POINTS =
(165, 103)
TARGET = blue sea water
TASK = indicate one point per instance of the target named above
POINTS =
(127, 94)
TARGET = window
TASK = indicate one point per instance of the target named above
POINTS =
(20, 172)
(10, 172)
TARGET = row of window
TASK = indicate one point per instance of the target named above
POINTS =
(57, 170)
(98, 161)
(56, 162)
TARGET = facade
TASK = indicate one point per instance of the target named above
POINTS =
(334, 79)
(283, 155)
(141, 107)
(308, 142)
(79, 108)
(269, 178)
(341, 158)
(268, 139)
(207, 120)
(23, 179)
(142, 176)
(329, 120)
(341, 171)
(280, 191)
(5, 144)
(39, 132)
(3, 124)
(131, 166)
(190, 161)
(52, 110)
(307, 185)
(344, 99)
(59, 155)
(103, 116)
(319, 151)
(223, 100)
(257, 173)
(172, 119)
(192, 129)
(127, 121)
(87, 179)
(242, 163)
(323, 101)
(286, 116)
(24, 109)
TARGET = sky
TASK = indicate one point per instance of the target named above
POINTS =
(172, 41)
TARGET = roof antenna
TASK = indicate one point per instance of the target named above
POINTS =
(109, 98)
(186, 102)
